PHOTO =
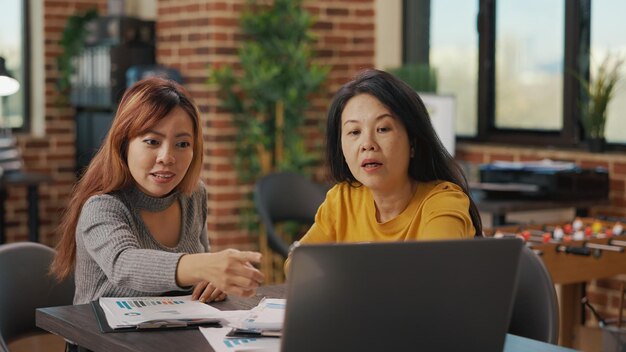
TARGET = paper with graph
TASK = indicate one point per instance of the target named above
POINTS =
(161, 312)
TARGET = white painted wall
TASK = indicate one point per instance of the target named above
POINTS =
(388, 34)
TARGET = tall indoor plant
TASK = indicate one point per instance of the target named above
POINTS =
(598, 91)
(269, 95)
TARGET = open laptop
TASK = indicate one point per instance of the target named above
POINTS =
(401, 296)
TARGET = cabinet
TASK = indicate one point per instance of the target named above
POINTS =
(113, 45)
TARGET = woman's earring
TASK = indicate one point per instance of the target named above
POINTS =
(412, 152)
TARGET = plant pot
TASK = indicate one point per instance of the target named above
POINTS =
(596, 145)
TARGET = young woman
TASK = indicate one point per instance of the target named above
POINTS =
(395, 180)
(136, 222)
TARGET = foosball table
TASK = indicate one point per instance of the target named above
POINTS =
(574, 253)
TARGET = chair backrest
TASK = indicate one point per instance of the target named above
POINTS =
(26, 285)
(535, 309)
(286, 196)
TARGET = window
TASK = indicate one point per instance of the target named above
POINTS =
(530, 52)
(529, 66)
(14, 48)
(607, 37)
(454, 52)
(512, 64)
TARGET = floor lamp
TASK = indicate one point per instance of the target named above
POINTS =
(8, 86)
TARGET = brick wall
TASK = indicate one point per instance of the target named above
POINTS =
(603, 294)
(195, 35)
(192, 35)
(54, 153)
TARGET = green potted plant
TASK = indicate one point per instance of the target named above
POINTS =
(598, 91)
(420, 76)
(270, 94)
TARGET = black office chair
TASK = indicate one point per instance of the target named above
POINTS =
(286, 196)
(535, 309)
(26, 285)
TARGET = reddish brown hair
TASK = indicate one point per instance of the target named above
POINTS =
(142, 107)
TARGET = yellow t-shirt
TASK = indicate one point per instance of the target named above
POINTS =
(438, 210)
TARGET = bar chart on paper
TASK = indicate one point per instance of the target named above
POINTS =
(221, 343)
(232, 343)
(153, 312)
(130, 304)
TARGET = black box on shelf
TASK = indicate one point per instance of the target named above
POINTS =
(548, 182)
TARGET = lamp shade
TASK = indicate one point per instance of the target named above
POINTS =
(8, 84)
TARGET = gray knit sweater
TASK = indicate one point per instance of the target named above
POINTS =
(116, 256)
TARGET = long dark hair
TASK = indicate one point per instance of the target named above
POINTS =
(431, 160)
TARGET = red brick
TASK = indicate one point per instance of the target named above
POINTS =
(217, 6)
(337, 11)
(619, 169)
(617, 185)
(608, 283)
(503, 157)
(356, 26)
(223, 22)
(364, 13)
(320, 25)
(333, 39)
(589, 164)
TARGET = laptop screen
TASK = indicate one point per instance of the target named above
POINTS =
(432, 295)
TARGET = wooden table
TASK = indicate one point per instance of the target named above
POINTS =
(572, 272)
(32, 182)
(78, 324)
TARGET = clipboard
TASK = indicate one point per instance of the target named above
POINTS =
(252, 333)
(148, 326)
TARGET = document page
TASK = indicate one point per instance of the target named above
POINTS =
(221, 343)
(155, 312)
(269, 314)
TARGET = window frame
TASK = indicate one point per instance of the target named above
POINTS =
(25, 86)
(26, 62)
(577, 42)
(576, 46)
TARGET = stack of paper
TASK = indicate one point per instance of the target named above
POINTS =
(220, 341)
(268, 315)
(258, 329)
(160, 312)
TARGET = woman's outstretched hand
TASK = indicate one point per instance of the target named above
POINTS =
(229, 271)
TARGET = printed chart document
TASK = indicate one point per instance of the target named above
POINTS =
(266, 319)
(258, 329)
(160, 312)
(221, 343)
